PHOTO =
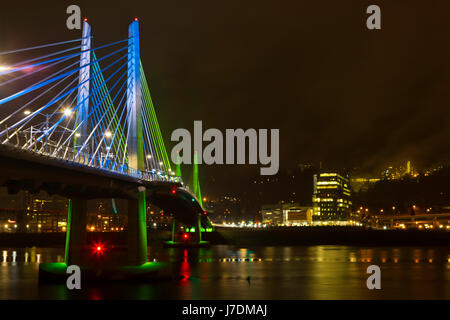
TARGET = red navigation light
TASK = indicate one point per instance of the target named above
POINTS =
(185, 236)
(85, 19)
(204, 212)
(98, 248)
(174, 191)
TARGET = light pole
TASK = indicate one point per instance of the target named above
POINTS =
(46, 132)
(67, 112)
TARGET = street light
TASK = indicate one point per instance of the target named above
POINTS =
(67, 112)
(108, 134)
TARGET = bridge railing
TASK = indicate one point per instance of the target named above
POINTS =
(102, 161)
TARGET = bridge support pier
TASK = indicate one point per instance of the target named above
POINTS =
(173, 229)
(76, 230)
(137, 229)
(199, 228)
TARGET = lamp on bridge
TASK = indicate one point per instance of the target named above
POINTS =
(67, 112)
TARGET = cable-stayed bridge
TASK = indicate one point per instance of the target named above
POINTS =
(78, 120)
(63, 105)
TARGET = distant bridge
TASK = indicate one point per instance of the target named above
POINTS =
(429, 218)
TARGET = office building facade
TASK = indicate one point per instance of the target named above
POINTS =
(331, 197)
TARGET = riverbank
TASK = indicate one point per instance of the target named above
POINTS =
(282, 236)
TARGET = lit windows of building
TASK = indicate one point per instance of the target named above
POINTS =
(272, 214)
(331, 197)
(286, 214)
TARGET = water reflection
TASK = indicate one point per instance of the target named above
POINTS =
(227, 272)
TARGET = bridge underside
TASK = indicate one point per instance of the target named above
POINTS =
(179, 201)
(23, 170)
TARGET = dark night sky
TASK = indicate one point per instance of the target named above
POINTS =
(339, 93)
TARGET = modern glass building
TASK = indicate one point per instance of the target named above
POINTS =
(331, 197)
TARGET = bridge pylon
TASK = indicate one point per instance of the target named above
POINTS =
(195, 182)
(137, 226)
(76, 231)
(76, 209)
(82, 113)
(196, 190)
(137, 208)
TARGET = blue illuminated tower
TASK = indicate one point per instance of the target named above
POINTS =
(134, 100)
(137, 223)
(83, 89)
(76, 211)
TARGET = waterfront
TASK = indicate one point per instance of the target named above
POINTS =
(231, 272)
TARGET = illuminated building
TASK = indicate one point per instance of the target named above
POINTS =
(45, 213)
(272, 214)
(362, 183)
(286, 214)
(298, 216)
(331, 197)
(26, 212)
(395, 173)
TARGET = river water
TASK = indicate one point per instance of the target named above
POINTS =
(228, 272)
